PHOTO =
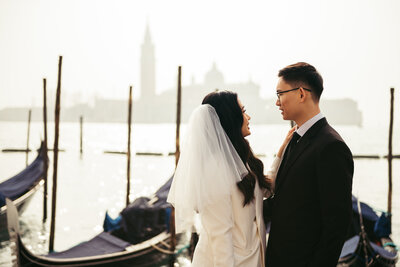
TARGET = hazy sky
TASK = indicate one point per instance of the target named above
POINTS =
(354, 44)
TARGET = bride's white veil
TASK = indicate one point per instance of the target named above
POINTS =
(208, 167)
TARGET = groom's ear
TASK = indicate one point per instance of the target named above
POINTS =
(302, 94)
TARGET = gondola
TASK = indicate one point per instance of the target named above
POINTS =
(21, 188)
(369, 242)
(139, 238)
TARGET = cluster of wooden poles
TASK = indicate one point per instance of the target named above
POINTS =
(56, 150)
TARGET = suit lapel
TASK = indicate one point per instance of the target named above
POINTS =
(296, 152)
(294, 155)
(303, 143)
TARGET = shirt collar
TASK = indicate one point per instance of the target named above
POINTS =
(308, 124)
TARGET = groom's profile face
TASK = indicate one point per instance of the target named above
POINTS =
(286, 100)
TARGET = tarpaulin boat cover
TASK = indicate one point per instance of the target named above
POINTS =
(146, 217)
(350, 248)
(367, 212)
(102, 244)
(369, 219)
(21, 183)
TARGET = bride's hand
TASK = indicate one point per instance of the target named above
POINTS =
(286, 141)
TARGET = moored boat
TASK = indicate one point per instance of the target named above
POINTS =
(139, 238)
(21, 187)
(369, 242)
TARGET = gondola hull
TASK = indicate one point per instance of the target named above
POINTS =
(368, 242)
(376, 255)
(105, 249)
(22, 187)
(146, 254)
(21, 203)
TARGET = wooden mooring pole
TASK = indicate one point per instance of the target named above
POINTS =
(81, 133)
(128, 152)
(178, 116)
(390, 155)
(177, 154)
(46, 167)
(27, 137)
(55, 160)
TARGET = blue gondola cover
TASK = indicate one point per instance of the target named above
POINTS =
(21, 183)
(382, 226)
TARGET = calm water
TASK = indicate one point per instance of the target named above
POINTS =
(90, 185)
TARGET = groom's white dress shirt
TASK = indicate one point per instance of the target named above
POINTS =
(308, 124)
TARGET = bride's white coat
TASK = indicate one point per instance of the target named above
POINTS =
(205, 183)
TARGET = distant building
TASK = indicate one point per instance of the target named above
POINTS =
(153, 108)
(163, 105)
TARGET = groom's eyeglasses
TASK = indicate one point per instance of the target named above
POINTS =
(279, 93)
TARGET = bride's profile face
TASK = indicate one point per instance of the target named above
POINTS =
(246, 118)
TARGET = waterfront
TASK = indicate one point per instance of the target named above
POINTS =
(90, 185)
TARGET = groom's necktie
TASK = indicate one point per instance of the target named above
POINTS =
(286, 156)
(292, 144)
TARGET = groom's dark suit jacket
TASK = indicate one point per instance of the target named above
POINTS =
(311, 210)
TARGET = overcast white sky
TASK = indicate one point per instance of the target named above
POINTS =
(354, 44)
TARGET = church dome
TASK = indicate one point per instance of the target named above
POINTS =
(214, 77)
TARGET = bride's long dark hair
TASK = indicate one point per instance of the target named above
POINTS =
(231, 117)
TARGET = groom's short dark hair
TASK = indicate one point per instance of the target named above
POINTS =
(303, 74)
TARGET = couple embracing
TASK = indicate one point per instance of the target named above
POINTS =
(305, 196)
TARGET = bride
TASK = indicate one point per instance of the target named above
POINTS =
(219, 178)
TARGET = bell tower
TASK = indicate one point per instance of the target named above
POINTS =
(147, 68)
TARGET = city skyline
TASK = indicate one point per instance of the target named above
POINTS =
(161, 108)
(353, 45)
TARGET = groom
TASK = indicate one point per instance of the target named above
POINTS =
(311, 208)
